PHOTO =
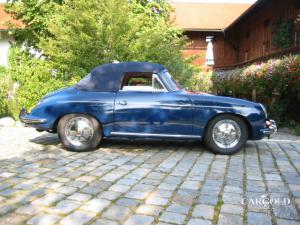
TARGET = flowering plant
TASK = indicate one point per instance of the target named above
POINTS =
(275, 83)
(275, 75)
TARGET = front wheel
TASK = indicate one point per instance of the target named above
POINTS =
(226, 134)
(79, 132)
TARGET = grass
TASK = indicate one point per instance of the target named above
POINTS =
(217, 211)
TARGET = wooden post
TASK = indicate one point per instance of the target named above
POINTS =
(233, 94)
(254, 95)
(275, 96)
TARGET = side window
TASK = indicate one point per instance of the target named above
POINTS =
(141, 82)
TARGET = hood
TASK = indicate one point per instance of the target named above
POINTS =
(213, 100)
(196, 93)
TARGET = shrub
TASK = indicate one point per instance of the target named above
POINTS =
(5, 84)
(276, 75)
(201, 81)
(297, 130)
(34, 76)
(282, 37)
(276, 82)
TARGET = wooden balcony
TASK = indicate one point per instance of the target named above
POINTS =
(274, 55)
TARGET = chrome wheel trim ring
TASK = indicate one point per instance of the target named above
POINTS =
(79, 131)
(226, 134)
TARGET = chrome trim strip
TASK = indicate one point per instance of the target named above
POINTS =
(33, 121)
(162, 105)
(154, 135)
(185, 106)
(221, 107)
(132, 104)
(81, 101)
(159, 105)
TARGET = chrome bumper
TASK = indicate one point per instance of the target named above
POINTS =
(271, 128)
(28, 119)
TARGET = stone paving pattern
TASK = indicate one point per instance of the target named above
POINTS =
(144, 182)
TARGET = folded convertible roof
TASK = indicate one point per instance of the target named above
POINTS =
(107, 77)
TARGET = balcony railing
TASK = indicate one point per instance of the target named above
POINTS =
(277, 54)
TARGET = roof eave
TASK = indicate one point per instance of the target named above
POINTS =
(257, 3)
(203, 29)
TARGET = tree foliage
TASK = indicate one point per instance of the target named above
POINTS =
(35, 14)
(282, 37)
(35, 77)
(5, 84)
(85, 34)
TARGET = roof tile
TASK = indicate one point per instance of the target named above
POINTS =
(206, 16)
(6, 19)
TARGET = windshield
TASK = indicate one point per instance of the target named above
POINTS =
(85, 83)
(172, 84)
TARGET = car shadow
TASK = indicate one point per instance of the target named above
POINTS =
(48, 139)
(51, 141)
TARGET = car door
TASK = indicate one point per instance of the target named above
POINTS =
(151, 111)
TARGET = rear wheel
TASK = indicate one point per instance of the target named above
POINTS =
(79, 132)
(226, 134)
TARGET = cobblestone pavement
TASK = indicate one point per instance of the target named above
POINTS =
(144, 182)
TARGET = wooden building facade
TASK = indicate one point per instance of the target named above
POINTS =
(241, 32)
(253, 33)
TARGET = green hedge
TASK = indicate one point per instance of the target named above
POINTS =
(275, 83)
(34, 77)
(5, 87)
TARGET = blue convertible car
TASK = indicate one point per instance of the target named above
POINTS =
(136, 99)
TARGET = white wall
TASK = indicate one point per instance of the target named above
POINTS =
(4, 48)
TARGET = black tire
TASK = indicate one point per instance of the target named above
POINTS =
(88, 146)
(211, 144)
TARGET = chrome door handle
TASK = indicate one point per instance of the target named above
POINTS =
(123, 103)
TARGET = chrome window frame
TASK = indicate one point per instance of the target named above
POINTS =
(154, 76)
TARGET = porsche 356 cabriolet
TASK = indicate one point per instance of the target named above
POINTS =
(142, 100)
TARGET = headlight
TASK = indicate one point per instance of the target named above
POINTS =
(29, 110)
(264, 109)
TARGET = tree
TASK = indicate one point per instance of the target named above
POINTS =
(153, 8)
(76, 35)
(35, 14)
(85, 34)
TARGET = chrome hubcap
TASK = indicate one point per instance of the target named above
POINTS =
(226, 133)
(79, 130)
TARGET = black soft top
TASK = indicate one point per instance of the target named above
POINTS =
(108, 77)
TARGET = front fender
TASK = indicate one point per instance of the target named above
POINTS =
(205, 108)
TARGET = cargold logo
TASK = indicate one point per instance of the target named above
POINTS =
(264, 201)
